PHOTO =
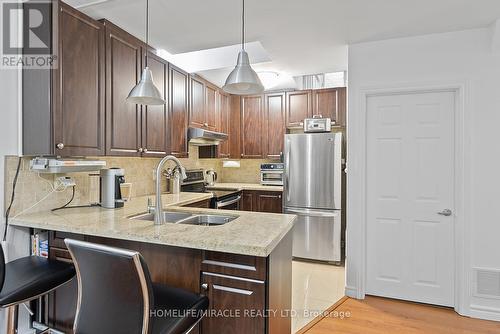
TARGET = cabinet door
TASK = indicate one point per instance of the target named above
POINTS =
(298, 107)
(251, 126)
(155, 118)
(211, 108)
(234, 295)
(63, 300)
(274, 124)
(270, 202)
(248, 201)
(235, 127)
(224, 124)
(178, 98)
(197, 103)
(123, 69)
(201, 204)
(330, 103)
(79, 85)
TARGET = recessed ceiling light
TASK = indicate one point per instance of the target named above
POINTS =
(269, 78)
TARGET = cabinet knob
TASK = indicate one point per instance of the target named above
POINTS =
(60, 146)
(145, 150)
(204, 287)
(140, 150)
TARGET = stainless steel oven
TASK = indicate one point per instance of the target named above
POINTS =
(224, 199)
(272, 174)
(228, 202)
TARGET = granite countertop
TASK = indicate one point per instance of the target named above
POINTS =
(246, 186)
(252, 233)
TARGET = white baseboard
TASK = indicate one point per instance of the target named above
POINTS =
(484, 312)
(351, 291)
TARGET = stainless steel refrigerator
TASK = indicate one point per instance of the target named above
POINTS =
(312, 191)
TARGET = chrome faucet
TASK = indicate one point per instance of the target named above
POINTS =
(159, 220)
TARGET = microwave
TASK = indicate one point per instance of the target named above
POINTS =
(272, 174)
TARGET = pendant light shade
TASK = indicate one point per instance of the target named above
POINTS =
(243, 80)
(145, 92)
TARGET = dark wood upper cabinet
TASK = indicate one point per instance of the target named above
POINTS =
(224, 124)
(298, 107)
(274, 128)
(211, 108)
(79, 108)
(330, 103)
(64, 107)
(197, 102)
(178, 99)
(155, 141)
(235, 126)
(252, 115)
(123, 70)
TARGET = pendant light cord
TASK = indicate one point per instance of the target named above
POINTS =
(243, 26)
(147, 32)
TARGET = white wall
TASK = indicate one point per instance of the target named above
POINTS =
(467, 57)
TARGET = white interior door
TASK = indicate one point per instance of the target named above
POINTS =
(410, 178)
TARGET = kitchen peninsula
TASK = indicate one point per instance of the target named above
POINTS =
(242, 265)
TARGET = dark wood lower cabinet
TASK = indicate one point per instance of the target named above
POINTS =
(262, 201)
(240, 288)
(62, 302)
(200, 204)
(235, 304)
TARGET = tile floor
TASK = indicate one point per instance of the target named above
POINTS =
(316, 287)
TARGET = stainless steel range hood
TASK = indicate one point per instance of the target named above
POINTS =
(202, 137)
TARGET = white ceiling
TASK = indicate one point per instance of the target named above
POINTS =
(300, 36)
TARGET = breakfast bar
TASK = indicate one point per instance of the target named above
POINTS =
(243, 265)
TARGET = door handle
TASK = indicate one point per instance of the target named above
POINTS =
(287, 170)
(445, 212)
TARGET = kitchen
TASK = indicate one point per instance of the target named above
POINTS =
(249, 167)
(89, 145)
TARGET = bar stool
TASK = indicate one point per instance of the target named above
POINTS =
(116, 295)
(28, 278)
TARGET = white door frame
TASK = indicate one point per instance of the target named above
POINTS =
(357, 167)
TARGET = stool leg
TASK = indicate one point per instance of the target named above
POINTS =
(12, 319)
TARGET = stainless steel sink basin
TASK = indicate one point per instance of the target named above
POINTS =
(170, 217)
(207, 220)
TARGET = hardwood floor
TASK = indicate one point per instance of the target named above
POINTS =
(376, 315)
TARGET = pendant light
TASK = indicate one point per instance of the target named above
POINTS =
(145, 92)
(243, 80)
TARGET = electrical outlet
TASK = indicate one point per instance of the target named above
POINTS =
(66, 181)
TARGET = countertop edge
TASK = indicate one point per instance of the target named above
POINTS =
(251, 251)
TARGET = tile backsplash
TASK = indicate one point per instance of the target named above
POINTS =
(33, 187)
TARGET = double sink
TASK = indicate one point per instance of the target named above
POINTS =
(188, 218)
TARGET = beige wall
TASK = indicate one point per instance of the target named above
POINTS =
(32, 187)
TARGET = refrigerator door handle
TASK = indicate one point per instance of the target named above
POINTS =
(313, 213)
(287, 170)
